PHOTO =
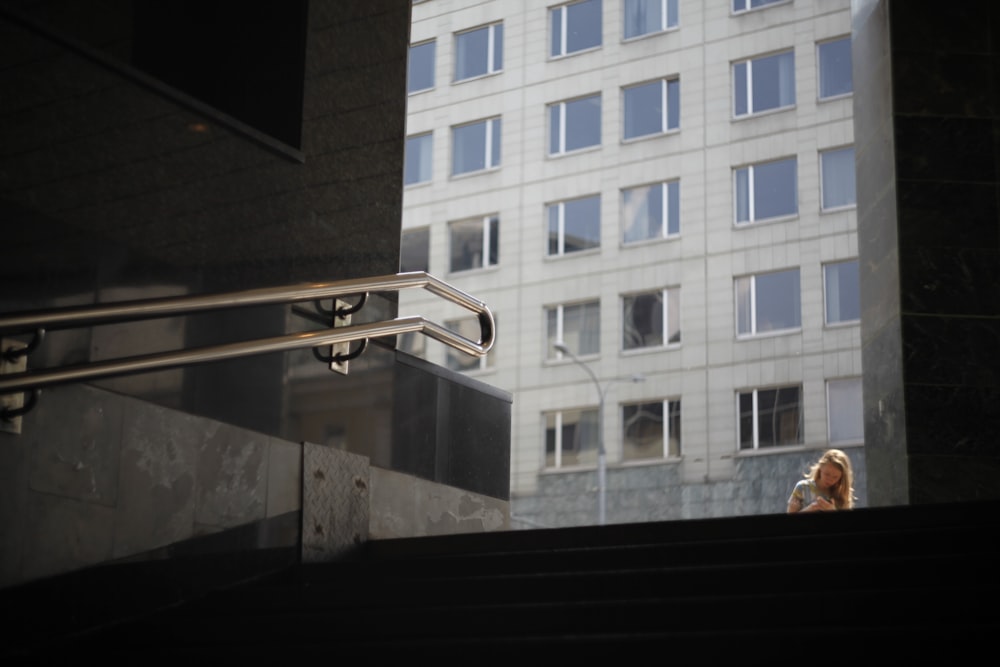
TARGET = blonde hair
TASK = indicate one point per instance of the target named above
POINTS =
(841, 493)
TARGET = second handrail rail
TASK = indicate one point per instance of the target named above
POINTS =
(127, 311)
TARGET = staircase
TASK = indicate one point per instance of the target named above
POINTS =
(899, 584)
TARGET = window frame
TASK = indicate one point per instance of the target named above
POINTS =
(489, 237)
(409, 66)
(561, 227)
(670, 87)
(827, 297)
(668, 10)
(751, 200)
(858, 410)
(588, 421)
(669, 312)
(755, 441)
(669, 223)
(563, 107)
(491, 162)
(671, 407)
(561, 13)
(751, 306)
(560, 333)
(819, 68)
(822, 180)
(427, 157)
(494, 51)
(751, 112)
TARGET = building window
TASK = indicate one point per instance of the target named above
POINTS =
(417, 159)
(577, 325)
(838, 182)
(475, 146)
(575, 26)
(645, 433)
(479, 52)
(647, 323)
(770, 417)
(768, 302)
(763, 84)
(845, 411)
(842, 292)
(415, 249)
(570, 438)
(420, 67)
(651, 212)
(574, 124)
(747, 5)
(835, 68)
(645, 17)
(474, 243)
(456, 360)
(652, 108)
(766, 190)
(574, 225)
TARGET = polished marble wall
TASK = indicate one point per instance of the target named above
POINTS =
(927, 123)
(127, 172)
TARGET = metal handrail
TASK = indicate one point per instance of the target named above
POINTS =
(130, 311)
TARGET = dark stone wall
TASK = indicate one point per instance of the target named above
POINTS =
(927, 115)
(134, 167)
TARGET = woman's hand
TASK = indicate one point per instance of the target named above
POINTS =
(822, 505)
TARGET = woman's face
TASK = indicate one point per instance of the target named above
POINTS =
(829, 475)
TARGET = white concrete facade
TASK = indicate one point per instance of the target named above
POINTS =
(711, 364)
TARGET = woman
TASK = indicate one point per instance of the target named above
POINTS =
(828, 486)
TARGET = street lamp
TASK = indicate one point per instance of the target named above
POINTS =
(602, 485)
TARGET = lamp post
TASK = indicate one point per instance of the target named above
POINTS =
(601, 454)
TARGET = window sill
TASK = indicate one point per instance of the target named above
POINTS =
(766, 221)
(779, 449)
(648, 242)
(626, 141)
(478, 172)
(588, 467)
(649, 35)
(576, 253)
(563, 56)
(761, 114)
(838, 209)
(477, 77)
(637, 351)
(575, 151)
(640, 463)
(768, 334)
(841, 325)
(834, 98)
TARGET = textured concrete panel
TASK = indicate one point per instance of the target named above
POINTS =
(335, 501)
(407, 506)
(158, 467)
(231, 478)
(74, 445)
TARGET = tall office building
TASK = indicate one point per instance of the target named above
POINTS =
(657, 200)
